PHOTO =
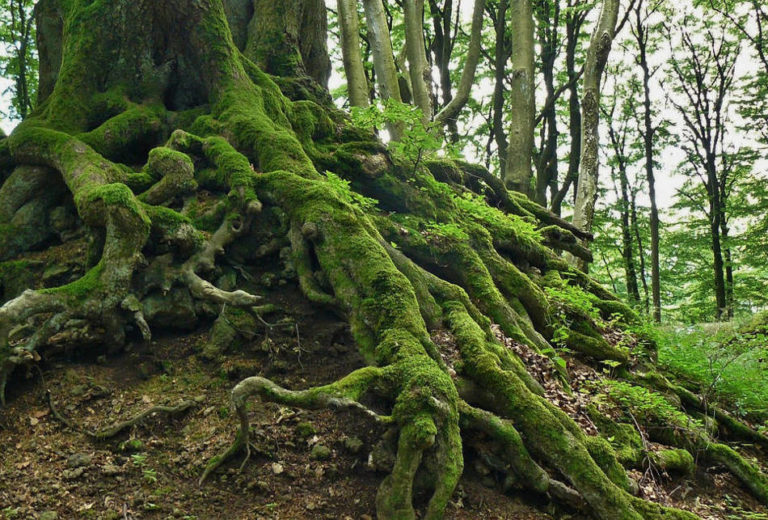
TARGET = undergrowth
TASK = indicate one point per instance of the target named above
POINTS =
(726, 361)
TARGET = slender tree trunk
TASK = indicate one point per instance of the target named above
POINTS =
(467, 81)
(418, 68)
(648, 132)
(573, 28)
(442, 49)
(729, 298)
(500, 71)
(518, 174)
(717, 252)
(547, 163)
(626, 238)
(640, 253)
(349, 27)
(383, 59)
(597, 56)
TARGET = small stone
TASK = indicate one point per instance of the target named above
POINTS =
(305, 430)
(111, 470)
(277, 468)
(78, 390)
(72, 474)
(319, 452)
(353, 444)
(77, 460)
(257, 485)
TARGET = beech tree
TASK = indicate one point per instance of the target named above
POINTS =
(705, 73)
(176, 137)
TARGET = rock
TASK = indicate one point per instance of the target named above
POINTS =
(77, 460)
(176, 309)
(305, 430)
(72, 474)
(353, 444)
(277, 468)
(111, 470)
(258, 485)
(320, 452)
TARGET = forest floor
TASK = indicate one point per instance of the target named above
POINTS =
(306, 465)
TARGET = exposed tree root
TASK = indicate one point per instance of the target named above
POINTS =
(116, 429)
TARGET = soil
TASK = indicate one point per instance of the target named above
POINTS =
(304, 464)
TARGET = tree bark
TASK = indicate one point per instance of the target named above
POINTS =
(648, 132)
(499, 74)
(518, 174)
(597, 57)
(349, 27)
(418, 68)
(383, 59)
(574, 21)
(467, 81)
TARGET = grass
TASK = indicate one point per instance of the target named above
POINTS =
(727, 361)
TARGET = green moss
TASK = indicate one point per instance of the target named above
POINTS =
(602, 453)
(673, 460)
(624, 438)
(86, 286)
(207, 213)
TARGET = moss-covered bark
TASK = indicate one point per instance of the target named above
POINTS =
(175, 148)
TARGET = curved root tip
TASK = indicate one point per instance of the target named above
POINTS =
(217, 461)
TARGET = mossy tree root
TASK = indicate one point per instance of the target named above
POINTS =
(549, 434)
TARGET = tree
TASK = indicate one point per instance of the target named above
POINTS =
(619, 116)
(597, 57)
(349, 27)
(518, 174)
(176, 151)
(704, 74)
(19, 60)
(642, 29)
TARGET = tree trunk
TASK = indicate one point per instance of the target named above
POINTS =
(640, 253)
(648, 132)
(383, 58)
(715, 223)
(499, 74)
(573, 28)
(349, 27)
(518, 174)
(627, 251)
(418, 68)
(597, 57)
